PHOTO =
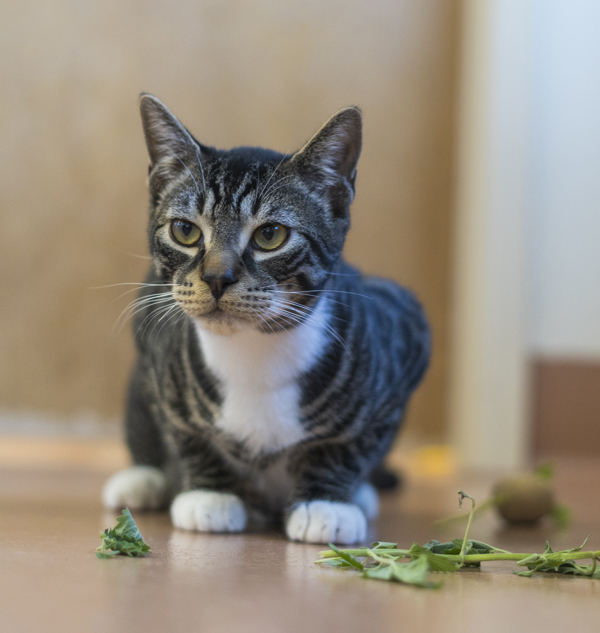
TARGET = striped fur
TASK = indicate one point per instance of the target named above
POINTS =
(290, 387)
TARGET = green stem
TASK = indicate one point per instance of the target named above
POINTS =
(376, 557)
(459, 518)
(457, 558)
(463, 495)
(364, 551)
(593, 569)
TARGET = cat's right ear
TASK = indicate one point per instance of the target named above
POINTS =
(330, 158)
(169, 144)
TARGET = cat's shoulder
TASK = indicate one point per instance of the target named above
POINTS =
(381, 290)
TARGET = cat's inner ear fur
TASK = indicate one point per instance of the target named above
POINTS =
(332, 153)
(170, 145)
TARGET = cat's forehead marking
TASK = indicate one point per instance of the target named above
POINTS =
(182, 204)
(209, 202)
(230, 193)
(246, 201)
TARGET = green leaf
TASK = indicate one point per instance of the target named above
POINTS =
(106, 554)
(381, 572)
(532, 560)
(335, 562)
(576, 549)
(348, 558)
(437, 562)
(442, 548)
(526, 572)
(413, 573)
(557, 567)
(551, 562)
(127, 527)
(474, 547)
(383, 545)
(124, 539)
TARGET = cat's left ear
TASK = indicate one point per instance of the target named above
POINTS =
(331, 155)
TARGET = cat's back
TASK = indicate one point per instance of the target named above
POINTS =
(380, 299)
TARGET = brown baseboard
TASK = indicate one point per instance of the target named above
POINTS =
(566, 407)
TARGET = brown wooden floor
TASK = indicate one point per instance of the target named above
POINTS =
(51, 581)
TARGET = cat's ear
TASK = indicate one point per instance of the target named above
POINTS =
(331, 155)
(170, 145)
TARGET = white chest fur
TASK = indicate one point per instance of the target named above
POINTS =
(259, 373)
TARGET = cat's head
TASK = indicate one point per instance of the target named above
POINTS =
(248, 237)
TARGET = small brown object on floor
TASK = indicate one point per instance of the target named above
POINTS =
(523, 499)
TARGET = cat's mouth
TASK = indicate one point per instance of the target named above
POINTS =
(221, 322)
(217, 313)
(220, 314)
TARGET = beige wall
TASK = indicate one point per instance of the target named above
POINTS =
(73, 164)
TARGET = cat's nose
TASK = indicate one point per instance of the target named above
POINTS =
(217, 282)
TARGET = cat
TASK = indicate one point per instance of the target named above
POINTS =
(271, 376)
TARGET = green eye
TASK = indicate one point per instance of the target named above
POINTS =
(185, 233)
(268, 237)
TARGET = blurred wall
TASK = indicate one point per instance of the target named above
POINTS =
(564, 224)
(72, 182)
(564, 227)
(525, 362)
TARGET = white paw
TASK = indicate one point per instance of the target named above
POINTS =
(327, 522)
(207, 511)
(137, 488)
(367, 499)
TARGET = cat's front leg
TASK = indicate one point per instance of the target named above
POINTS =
(331, 500)
(144, 485)
(207, 502)
(322, 521)
(208, 511)
(138, 487)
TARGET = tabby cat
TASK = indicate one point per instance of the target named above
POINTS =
(271, 376)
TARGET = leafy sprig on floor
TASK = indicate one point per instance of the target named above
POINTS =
(125, 538)
(384, 560)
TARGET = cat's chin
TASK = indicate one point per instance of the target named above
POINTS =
(219, 322)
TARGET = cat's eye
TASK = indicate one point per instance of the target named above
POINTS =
(268, 237)
(185, 233)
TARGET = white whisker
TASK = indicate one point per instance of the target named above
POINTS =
(201, 170)
(259, 315)
(159, 294)
(138, 306)
(130, 283)
(148, 320)
(147, 257)
(166, 323)
(329, 299)
(293, 313)
(189, 172)
(309, 293)
(273, 189)
(271, 177)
